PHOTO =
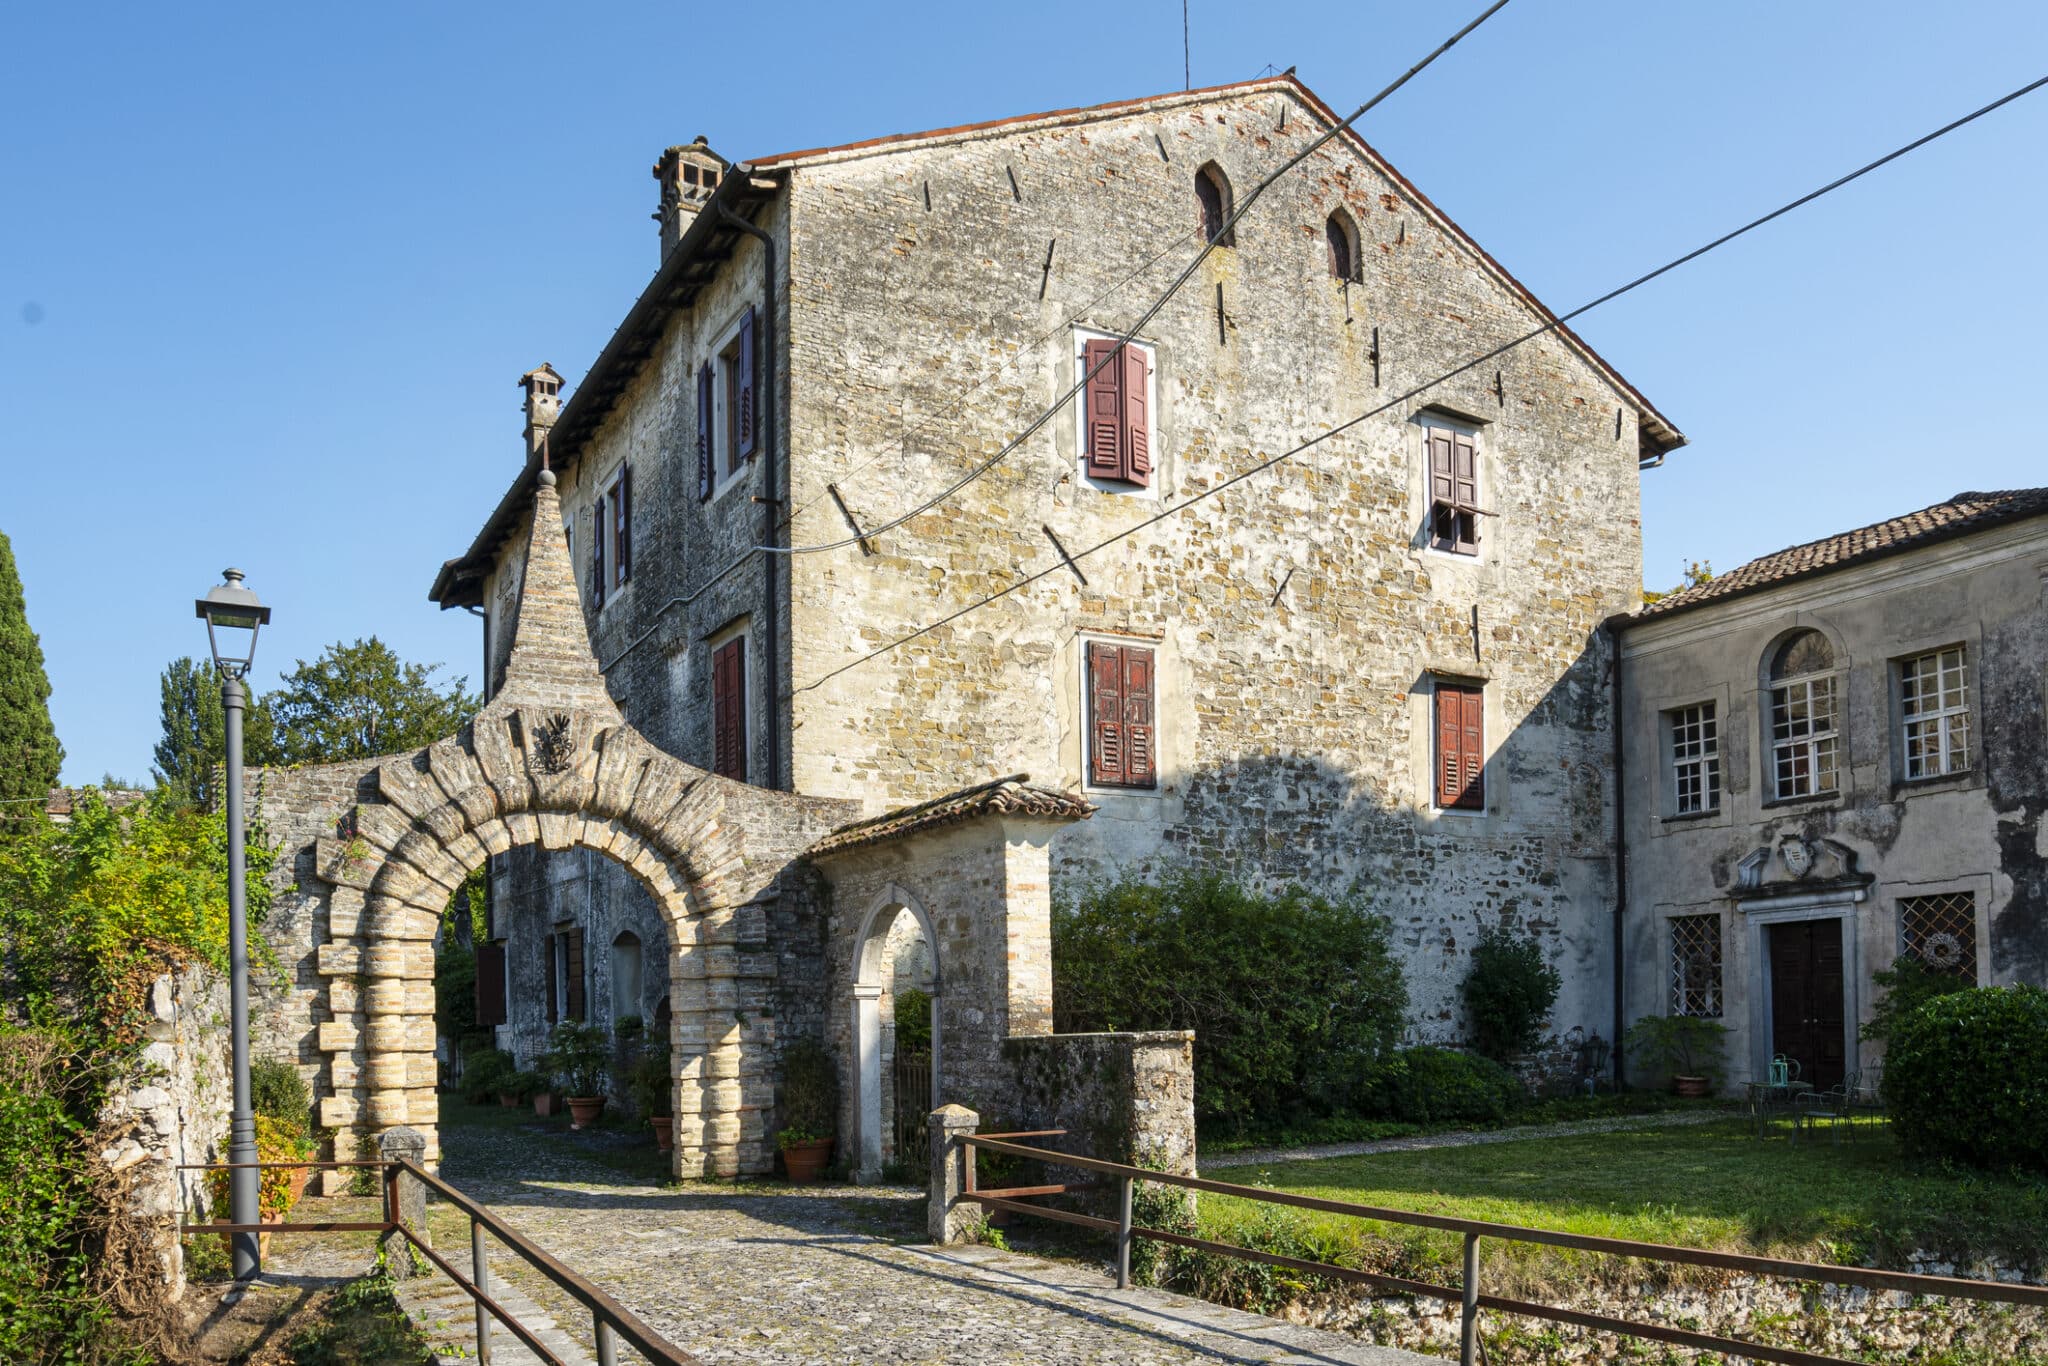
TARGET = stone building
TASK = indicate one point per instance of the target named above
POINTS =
(1376, 665)
(1836, 756)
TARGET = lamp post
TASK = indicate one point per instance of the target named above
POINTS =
(230, 610)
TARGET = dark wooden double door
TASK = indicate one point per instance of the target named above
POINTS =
(1806, 998)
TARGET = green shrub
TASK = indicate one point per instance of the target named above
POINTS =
(1683, 1045)
(1508, 992)
(485, 1072)
(48, 1311)
(276, 1089)
(913, 1021)
(1428, 1085)
(578, 1057)
(1966, 1077)
(1908, 984)
(1294, 998)
(810, 1093)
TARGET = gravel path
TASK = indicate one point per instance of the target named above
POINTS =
(760, 1273)
(1266, 1157)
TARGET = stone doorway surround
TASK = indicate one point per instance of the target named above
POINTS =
(1797, 879)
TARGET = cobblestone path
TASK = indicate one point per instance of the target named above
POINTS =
(762, 1273)
(1266, 1157)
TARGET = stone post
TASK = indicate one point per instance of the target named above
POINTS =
(951, 1216)
(405, 1197)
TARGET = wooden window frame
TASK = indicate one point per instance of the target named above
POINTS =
(1453, 504)
(1120, 701)
(1470, 696)
(620, 495)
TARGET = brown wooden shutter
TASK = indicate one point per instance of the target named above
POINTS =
(1443, 491)
(597, 530)
(1104, 407)
(1460, 747)
(622, 515)
(1137, 367)
(572, 973)
(747, 406)
(1465, 487)
(704, 480)
(1106, 715)
(729, 710)
(1140, 744)
(490, 984)
(554, 1011)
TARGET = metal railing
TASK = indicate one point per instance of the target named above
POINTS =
(611, 1322)
(1467, 1293)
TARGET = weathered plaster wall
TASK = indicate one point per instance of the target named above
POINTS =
(1980, 832)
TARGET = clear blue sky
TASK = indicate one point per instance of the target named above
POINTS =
(267, 274)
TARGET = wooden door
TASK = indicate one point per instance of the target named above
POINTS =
(1806, 998)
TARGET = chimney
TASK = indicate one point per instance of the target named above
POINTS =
(688, 175)
(543, 401)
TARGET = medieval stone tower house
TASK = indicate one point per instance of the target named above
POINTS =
(1376, 665)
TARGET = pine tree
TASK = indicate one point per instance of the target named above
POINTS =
(29, 753)
(194, 743)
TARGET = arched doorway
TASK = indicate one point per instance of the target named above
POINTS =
(895, 941)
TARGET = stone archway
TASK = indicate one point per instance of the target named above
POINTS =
(550, 761)
(868, 1063)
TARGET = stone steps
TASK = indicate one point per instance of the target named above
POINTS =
(447, 1315)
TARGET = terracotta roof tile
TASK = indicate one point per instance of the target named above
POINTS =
(1959, 516)
(1011, 796)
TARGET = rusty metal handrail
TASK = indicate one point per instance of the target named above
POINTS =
(1125, 1231)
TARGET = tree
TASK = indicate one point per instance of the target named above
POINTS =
(1508, 991)
(194, 742)
(30, 756)
(361, 700)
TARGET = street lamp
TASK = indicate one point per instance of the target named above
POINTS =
(231, 610)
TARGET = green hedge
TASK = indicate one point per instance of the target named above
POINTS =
(1966, 1077)
(1428, 1085)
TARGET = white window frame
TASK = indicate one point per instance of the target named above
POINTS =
(1812, 744)
(1482, 478)
(1082, 336)
(1699, 758)
(721, 382)
(1950, 721)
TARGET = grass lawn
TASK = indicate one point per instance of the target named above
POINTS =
(1218, 1140)
(1711, 1186)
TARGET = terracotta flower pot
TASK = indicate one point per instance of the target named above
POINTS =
(806, 1160)
(298, 1184)
(584, 1110)
(664, 1131)
(508, 1100)
(545, 1105)
(1693, 1087)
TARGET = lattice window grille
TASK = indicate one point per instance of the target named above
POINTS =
(1934, 707)
(1696, 965)
(1941, 931)
(1696, 759)
(1804, 744)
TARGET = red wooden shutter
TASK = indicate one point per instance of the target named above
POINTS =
(1106, 763)
(622, 515)
(554, 1012)
(1104, 407)
(1460, 747)
(1140, 761)
(572, 973)
(1137, 415)
(597, 530)
(1465, 485)
(729, 710)
(490, 984)
(746, 405)
(704, 480)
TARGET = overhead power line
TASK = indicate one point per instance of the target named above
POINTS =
(1420, 389)
(1115, 354)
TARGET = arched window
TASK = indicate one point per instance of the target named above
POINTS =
(1342, 236)
(626, 975)
(1805, 739)
(1212, 192)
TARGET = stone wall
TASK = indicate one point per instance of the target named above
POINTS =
(172, 1108)
(1120, 1097)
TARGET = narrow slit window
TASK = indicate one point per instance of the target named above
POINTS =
(1212, 194)
(1341, 237)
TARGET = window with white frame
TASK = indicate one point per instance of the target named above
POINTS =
(1934, 713)
(1696, 965)
(1695, 734)
(1805, 751)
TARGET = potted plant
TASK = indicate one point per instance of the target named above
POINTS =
(653, 1094)
(578, 1055)
(810, 1110)
(1688, 1046)
(277, 1191)
(547, 1102)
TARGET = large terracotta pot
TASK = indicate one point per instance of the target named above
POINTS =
(806, 1160)
(1693, 1087)
(298, 1184)
(664, 1131)
(584, 1110)
(546, 1104)
(508, 1100)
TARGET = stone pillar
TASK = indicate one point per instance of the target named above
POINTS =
(951, 1216)
(403, 1145)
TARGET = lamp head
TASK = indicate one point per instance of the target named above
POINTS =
(230, 610)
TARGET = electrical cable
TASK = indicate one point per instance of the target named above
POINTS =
(1551, 326)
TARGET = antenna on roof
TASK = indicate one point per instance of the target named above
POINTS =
(1187, 80)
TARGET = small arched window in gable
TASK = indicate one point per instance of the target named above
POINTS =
(1342, 235)
(1212, 192)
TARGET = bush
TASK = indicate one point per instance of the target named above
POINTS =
(276, 1089)
(1908, 984)
(810, 1093)
(1682, 1045)
(1294, 998)
(275, 1142)
(913, 1021)
(1508, 992)
(1441, 1085)
(485, 1072)
(1966, 1077)
(47, 1308)
(578, 1057)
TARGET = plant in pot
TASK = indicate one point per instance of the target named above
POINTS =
(810, 1110)
(578, 1055)
(543, 1091)
(653, 1095)
(278, 1190)
(1687, 1046)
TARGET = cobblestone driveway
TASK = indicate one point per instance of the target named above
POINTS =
(765, 1274)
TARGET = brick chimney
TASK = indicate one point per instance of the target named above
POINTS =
(688, 175)
(543, 402)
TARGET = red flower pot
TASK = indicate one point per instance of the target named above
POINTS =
(584, 1110)
(806, 1160)
(1693, 1087)
(508, 1100)
(664, 1131)
(545, 1105)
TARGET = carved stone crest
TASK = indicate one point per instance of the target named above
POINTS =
(1796, 854)
(552, 745)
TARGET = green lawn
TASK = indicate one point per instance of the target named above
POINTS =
(1710, 1185)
